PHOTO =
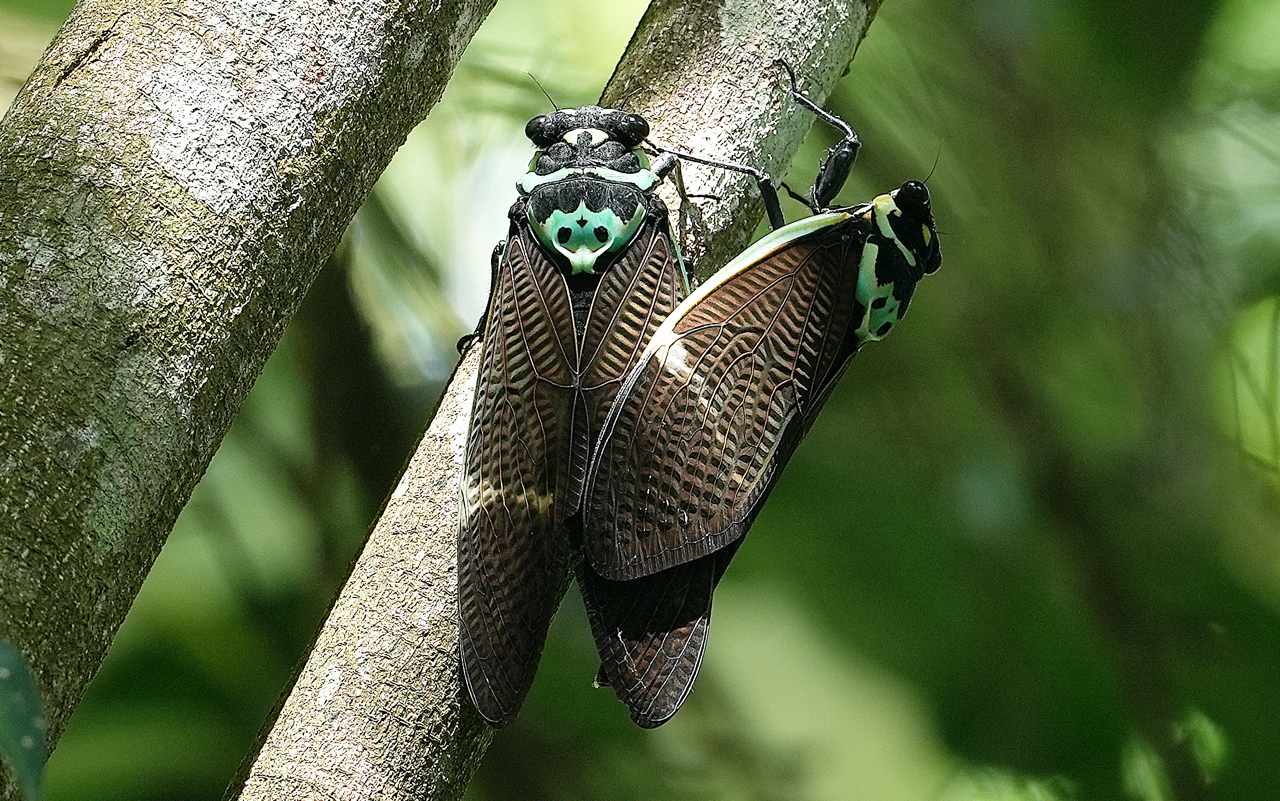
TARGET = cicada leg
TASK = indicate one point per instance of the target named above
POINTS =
(768, 192)
(799, 198)
(834, 168)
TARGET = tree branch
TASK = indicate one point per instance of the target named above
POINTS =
(378, 710)
(172, 176)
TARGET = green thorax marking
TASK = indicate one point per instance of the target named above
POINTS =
(878, 300)
(583, 235)
(882, 309)
(885, 206)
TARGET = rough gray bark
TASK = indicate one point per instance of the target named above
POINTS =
(172, 176)
(378, 710)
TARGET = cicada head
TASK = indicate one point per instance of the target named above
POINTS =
(913, 225)
(590, 135)
(586, 182)
(901, 248)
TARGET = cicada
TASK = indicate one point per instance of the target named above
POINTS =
(626, 431)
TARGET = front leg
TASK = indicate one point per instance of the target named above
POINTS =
(667, 161)
(834, 168)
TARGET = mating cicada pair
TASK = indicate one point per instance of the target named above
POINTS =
(625, 430)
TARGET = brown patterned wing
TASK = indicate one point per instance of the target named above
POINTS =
(513, 553)
(652, 632)
(632, 299)
(720, 398)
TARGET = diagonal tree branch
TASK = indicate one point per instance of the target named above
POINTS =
(378, 710)
(172, 176)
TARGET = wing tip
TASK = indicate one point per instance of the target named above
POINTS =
(650, 718)
(650, 705)
(640, 708)
(487, 706)
(480, 690)
(652, 722)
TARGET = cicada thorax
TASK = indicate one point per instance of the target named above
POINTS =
(587, 185)
(901, 247)
(586, 220)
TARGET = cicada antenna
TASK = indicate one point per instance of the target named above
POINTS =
(936, 159)
(544, 91)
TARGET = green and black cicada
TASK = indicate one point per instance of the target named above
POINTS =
(627, 431)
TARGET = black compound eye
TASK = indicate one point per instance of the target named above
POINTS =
(632, 130)
(538, 130)
(913, 198)
(562, 236)
(601, 233)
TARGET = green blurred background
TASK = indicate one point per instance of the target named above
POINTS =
(1033, 543)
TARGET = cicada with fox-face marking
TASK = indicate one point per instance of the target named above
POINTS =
(626, 431)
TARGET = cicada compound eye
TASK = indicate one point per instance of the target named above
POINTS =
(632, 130)
(538, 130)
(913, 198)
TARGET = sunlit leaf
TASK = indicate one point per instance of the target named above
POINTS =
(997, 785)
(1207, 740)
(1144, 774)
(1253, 382)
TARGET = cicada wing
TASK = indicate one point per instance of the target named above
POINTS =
(660, 623)
(652, 633)
(513, 553)
(720, 398)
(632, 299)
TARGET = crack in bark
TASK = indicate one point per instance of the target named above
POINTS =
(86, 55)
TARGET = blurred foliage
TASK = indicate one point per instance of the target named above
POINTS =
(1031, 551)
(22, 722)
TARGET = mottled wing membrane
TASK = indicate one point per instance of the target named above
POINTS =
(513, 556)
(718, 403)
(532, 426)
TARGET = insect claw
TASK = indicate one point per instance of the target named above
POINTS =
(467, 340)
(791, 73)
(799, 198)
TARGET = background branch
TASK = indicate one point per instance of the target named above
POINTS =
(378, 710)
(172, 176)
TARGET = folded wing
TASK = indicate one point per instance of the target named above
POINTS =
(652, 632)
(720, 398)
(513, 553)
